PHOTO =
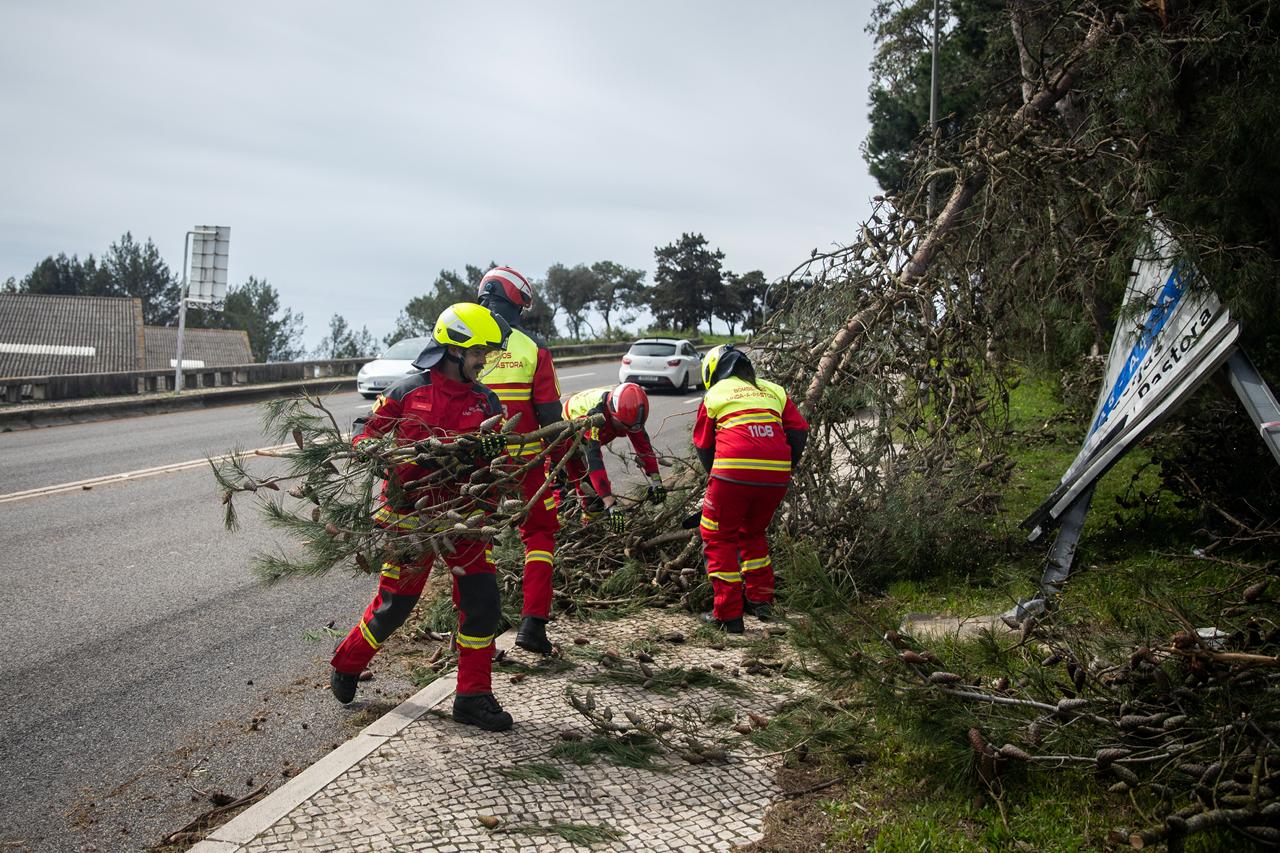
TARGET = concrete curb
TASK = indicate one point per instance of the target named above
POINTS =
(244, 827)
(34, 416)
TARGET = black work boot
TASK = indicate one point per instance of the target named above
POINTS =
(343, 686)
(762, 610)
(732, 626)
(532, 636)
(480, 709)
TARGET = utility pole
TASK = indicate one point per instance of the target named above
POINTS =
(933, 115)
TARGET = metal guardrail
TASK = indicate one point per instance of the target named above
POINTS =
(81, 386)
(78, 386)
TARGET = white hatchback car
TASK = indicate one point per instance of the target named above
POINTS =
(397, 361)
(662, 363)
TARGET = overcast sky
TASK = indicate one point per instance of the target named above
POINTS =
(357, 149)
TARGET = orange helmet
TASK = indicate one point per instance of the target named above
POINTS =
(628, 405)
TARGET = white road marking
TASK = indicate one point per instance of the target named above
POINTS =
(577, 375)
(691, 400)
(84, 485)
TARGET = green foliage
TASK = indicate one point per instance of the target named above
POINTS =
(687, 282)
(619, 290)
(637, 752)
(571, 290)
(418, 318)
(342, 341)
(126, 269)
(255, 308)
(974, 56)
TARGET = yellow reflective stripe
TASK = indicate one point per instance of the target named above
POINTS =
(709, 524)
(368, 635)
(391, 571)
(734, 395)
(549, 503)
(727, 577)
(517, 448)
(513, 394)
(751, 418)
(538, 556)
(390, 516)
(412, 521)
(474, 642)
(754, 565)
(753, 464)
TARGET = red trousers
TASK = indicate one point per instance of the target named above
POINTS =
(734, 519)
(538, 532)
(475, 595)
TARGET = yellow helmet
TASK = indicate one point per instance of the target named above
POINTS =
(719, 362)
(464, 325)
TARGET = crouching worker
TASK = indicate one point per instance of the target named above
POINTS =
(625, 410)
(748, 435)
(440, 401)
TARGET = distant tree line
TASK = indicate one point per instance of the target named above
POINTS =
(690, 290)
(132, 269)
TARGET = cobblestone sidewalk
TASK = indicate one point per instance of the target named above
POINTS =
(415, 780)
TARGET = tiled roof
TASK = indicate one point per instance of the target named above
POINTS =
(57, 335)
(208, 347)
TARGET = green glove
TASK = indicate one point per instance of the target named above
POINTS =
(617, 519)
(492, 444)
(657, 491)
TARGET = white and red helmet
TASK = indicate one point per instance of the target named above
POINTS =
(628, 405)
(506, 283)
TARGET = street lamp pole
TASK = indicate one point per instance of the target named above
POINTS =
(933, 115)
(182, 314)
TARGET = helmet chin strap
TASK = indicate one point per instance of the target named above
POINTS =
(462, 367)
(503, 308)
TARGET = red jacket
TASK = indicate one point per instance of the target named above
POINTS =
(425, 405)
(749, 433)
(591, 402)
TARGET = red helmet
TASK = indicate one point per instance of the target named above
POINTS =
(628, 405)
(506, 283)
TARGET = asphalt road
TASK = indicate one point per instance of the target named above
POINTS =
(145, 666)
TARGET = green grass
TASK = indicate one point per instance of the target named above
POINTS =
(912, 781)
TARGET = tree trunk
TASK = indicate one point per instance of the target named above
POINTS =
(1056, 86)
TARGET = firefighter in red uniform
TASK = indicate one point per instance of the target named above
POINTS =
(442, 400)
(748, 435)
(524, 379)
(625, 410)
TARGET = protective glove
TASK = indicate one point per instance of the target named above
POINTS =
(657, 491)
(491, 445)
(617, 519)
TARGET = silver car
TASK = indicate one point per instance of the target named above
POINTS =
(375, 376)
(662, 363)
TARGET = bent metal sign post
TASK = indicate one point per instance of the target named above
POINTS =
(1173, 333)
